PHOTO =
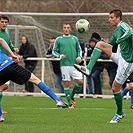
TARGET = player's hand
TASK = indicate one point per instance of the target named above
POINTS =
(62, 57)
(78, 59)
(15, 58)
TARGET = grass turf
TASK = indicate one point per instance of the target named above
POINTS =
(40, 115)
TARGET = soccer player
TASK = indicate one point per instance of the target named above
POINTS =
(5, 34)
(129, 88)
(68, 49)
(10, 70)
(123, 36)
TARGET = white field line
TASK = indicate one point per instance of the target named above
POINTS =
(60, 95)
(21, 108)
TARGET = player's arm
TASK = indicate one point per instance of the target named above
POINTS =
(12, 47)
(79, 51)
(5, 45)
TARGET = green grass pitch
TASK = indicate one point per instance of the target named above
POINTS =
(40, 115)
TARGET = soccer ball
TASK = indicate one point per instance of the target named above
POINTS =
(82, 25)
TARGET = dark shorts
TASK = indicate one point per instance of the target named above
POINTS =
(130, 78)
(15, 73)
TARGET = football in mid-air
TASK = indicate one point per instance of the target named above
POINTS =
(82, 25)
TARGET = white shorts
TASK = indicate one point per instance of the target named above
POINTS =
(69, 72)
(124, 68)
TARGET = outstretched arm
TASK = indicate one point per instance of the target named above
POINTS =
(4, 44)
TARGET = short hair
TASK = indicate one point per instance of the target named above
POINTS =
(4, 17)
(117, 13)
(67, 24)
(52, 38)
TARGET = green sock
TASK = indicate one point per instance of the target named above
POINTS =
(94, 57)
(75, 89)
(68, 93)
(118, 100)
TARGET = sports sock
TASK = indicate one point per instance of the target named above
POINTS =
(0, 103)
(75, 89)
(46, 89)
(118, 100)
(68, 95)
(125, 91)
(131, 93)
(94, 57)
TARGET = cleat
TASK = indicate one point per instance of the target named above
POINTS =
(73, 102)
(61, 104)
(2, 118)
(71, 107)
(117, 118)
(4, 112)
(82, 69)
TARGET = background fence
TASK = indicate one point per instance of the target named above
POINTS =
(40, 27)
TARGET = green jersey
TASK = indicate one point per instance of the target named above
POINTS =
(68, 46)
(6, 36)
(123, 36)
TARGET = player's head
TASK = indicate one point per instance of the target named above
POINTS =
(52, 41)
(66, 29)
(115, 16)
(4, 20)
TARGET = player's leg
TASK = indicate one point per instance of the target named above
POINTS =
(22, 75)
(78, 82)
(2, 88)
(123, 72)
(66, 79)
(46, 89)
(131, 93)
(4, 84)
(130, 85)
(1, 107)
(125, 91)
(118, 99)
(129, 88)
(99, 48)
(67, 92)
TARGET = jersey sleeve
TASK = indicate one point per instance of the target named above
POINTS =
(127, 32)
(79, 50)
